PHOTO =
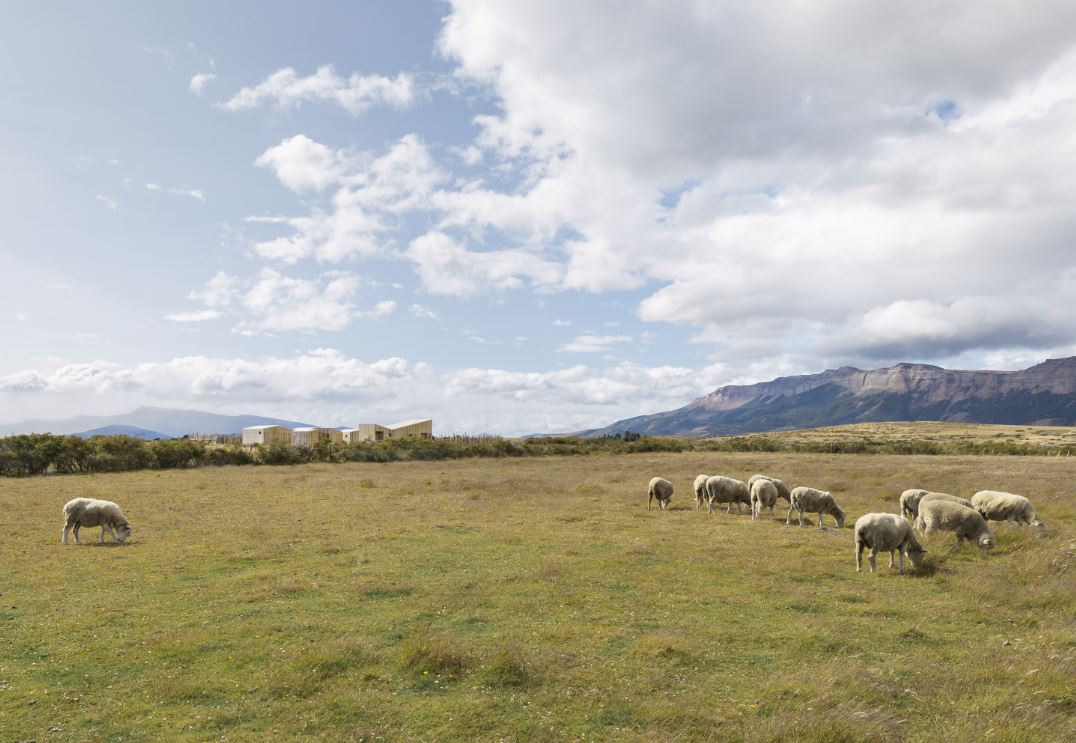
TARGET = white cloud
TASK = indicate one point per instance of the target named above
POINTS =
(22, 316)
(219, 291)
(187, 191)
(593, 343)
(162, 54)
(152, 187)
(424, 312)
(280, 303)
(446, 267)
(200, 316)
(285, 89)
(110, 203)
(302, 164)
(199, 81)
(562, 323)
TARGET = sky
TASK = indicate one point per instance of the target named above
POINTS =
(523, 217)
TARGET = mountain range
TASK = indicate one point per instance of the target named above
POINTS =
(1044, 394)
(156, 422)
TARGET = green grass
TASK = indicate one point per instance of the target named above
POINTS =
(530, 600)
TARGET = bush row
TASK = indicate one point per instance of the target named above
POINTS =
(38, 454)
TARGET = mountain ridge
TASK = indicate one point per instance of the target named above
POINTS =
(1043, 394)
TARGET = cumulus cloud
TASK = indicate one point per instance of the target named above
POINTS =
(447, 267)
(302, 164)
(286, 89)
(748, 158)
(325, 384)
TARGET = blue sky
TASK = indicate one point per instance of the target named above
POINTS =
(520, 219)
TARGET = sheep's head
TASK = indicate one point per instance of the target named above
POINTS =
(122, 533)
(1038, 526)
(986, 541)
(915, 554)
(839, 515)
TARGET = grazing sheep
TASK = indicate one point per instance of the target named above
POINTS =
(80, 512)
(995, 505)
(782, 489)
(661, 489)
(886, 532)
(728, 490)
(763, 495)
(944, 515)
(909, 501)
(809, 500)
(700, 490)
(931, 496)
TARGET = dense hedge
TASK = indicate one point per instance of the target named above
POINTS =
(38, 454)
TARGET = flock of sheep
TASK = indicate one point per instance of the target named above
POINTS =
(881, 532)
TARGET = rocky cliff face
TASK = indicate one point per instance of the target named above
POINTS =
(1044, 394)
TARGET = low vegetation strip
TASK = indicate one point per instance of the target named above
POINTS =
(39, 454)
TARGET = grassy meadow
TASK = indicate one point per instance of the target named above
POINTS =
(530, 600)
(942, 433)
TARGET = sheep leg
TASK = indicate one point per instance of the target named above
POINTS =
(801, 518)
(67, 528)
(874, 559)
(101, 537)
(901, 552)
(859, 556)
(819, 519)
(75, 530)
(649, 501)
(788, 518)
(890, 558)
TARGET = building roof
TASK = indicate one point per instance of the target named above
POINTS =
(416, 421)
(262, 428)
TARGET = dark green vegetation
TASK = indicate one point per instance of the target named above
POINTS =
(38, 454)
(530, 600)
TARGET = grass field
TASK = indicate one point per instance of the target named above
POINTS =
(943, 433)
(530, 600)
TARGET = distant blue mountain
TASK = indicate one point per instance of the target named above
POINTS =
(164, 422)
(138, 433)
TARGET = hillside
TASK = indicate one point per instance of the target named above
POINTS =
(115, 430)
(168, 421)
(1044, 394)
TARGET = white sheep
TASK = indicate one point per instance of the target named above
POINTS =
(700, 490)
(995, 505)
(79, 512)
(886, 532)
(782, 489)
(810, 500)
(661, 489)
(931, 496)
(764, 494)
(909, 501)
(944, 515)
(720, 489)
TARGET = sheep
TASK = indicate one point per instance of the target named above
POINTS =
(909, 501)
(720, 489)
(79, 512)
(763, 495)
(661, 489)
(782, 489)
(809, 500)
(944, 515)
(700, 490)
(930, 496)
(886, 532)
(995, 505)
